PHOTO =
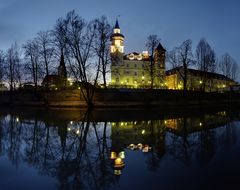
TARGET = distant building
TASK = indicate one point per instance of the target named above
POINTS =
(133, 70)
(57, 81)
(213, 81)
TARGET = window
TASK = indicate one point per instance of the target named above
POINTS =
(117, 79)
(135, 65)
(135, 73)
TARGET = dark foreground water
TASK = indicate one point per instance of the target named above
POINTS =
(119, 149)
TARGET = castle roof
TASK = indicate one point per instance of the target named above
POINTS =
(117, 35)
(160, 47)
(198, 73)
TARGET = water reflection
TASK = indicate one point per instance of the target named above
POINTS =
(80, 150)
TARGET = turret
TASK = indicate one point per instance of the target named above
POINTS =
(159, 55)
(117, 40)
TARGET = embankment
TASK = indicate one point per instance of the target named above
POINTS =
(119, 98)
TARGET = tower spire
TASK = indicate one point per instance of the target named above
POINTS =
(117, 25)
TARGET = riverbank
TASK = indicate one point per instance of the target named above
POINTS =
(118, 98)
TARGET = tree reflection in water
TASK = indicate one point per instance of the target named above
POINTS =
(88, 154)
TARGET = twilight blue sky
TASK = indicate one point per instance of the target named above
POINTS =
(172, 20)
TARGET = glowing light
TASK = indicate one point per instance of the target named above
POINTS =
(200, 82)
(71, 83)
(117, 172)
(17, 119)
(69, 129)
(146, 148)
(79, 88)
(165, 122)
(71, 122)
(200, 124)
(116, 31)
(131, 146)
(139, 57)
(143, 77)
(140, 146)
(122, 123)
(113, 155)
(78, 132)
(118, 163)
(122, 155)
(143, 131)
(56, 88)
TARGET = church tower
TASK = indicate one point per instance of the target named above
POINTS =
(159, 56)
(117, 45)
(159, 59)
(62, 72)
(117, 53)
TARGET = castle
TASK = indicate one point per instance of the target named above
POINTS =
(133, 70)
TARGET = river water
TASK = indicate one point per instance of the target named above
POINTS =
(119, 149)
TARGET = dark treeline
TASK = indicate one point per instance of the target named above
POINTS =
(83, 46)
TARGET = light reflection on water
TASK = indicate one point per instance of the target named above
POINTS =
(118, 150)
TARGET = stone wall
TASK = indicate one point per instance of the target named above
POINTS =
(118, 98)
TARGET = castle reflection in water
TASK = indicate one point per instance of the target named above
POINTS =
(81, 150)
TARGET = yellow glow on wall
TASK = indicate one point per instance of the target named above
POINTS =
(117, 31)
(117, 43)
(113, 155)
(118, 163)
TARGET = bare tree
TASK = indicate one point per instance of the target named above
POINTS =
(181, 58)
(13, 67)
(2, 60)
(46, 49)
(228, 66)
(79, 37)
(101, 46)
(32, 56)
(151, 44)
(206, 60)
(59, 36)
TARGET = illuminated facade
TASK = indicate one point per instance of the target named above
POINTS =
(197, 79)
(133, 70)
